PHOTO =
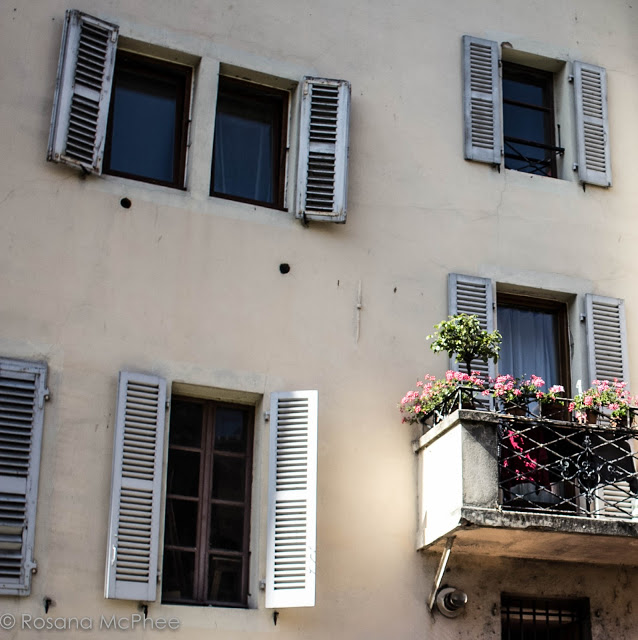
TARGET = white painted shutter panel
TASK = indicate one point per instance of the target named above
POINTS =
(322, 172)
(292, 500)
(592, 124)
(82, 92)
(132, 552)
(617, 501)
(481, 100)
(22, 394)
(473, 296)
(606, 338)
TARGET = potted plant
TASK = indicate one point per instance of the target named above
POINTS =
(515, 393)
(552, 403)
(461, 336)
(603, 397)
(432, 393)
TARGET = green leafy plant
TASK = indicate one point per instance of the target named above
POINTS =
(461, 336)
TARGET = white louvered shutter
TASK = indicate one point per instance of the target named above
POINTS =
(617, 501)
(22, 394)
(473, 296)
(592, 124)
(322, 172)
(82, 92)
(606, 338)
(292, 500)
(481, 100)
(131, 562)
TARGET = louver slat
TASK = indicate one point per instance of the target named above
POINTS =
(131, 570)
(606, 338)
(473, 296)
(83, 89)
(22, 392)
(481, 100)
(323, 149)
(592, 127)
(290, 570)
(617, 501)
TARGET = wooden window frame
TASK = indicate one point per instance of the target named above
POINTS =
(234, 88)
(544, 80)
(160, 70)
(207, 460)
(557, 307)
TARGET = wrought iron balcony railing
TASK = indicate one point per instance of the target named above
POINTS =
(549, 463)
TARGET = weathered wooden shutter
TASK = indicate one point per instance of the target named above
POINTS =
(292, 500)
(82, 92)
(606, 338)
(592, 124)
(473, 296)
(481, 100)
(131, 561)
(22, 394)
(322, 173)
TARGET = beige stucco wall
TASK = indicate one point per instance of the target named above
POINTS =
(188, 287)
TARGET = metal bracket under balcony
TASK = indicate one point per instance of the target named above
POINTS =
(529, 487)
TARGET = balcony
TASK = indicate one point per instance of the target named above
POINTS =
(525, 486)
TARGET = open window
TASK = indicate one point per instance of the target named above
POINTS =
(509, 114)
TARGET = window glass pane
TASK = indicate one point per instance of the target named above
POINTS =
(183, 473)
(144, 114)
(186, 423)
(224, 579)
(178, 576)
(523, 92)
(226, 527)
(247, 150)
(230, 429)
(530, 343)
(524, 123)
(181, 523)
(229, 478)
(243, 157)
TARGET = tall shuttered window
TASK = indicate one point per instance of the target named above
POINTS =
(207, 522)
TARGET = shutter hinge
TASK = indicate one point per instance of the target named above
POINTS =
(570, 78)
(168, 405)
(575, 166)
(262, 585)
(44, 396)
(266, 416)
(31, 566)
(114, 36)
(583, 317)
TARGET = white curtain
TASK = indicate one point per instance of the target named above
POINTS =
(529, 344)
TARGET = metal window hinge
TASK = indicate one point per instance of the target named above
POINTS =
(44, 397)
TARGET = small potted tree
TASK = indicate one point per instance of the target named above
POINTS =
(461, 336)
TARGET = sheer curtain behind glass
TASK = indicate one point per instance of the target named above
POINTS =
(530, 343)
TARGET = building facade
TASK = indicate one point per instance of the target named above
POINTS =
(226, 231)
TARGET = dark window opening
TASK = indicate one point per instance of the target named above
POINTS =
(528, 120)
(207, 523)
(544, 618)
(249, 150)
(148, 120)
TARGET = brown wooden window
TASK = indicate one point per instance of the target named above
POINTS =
(545, 618)
(249, 151)
(535, 338)
(148, 120)
(528, 120)
(207, 523)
